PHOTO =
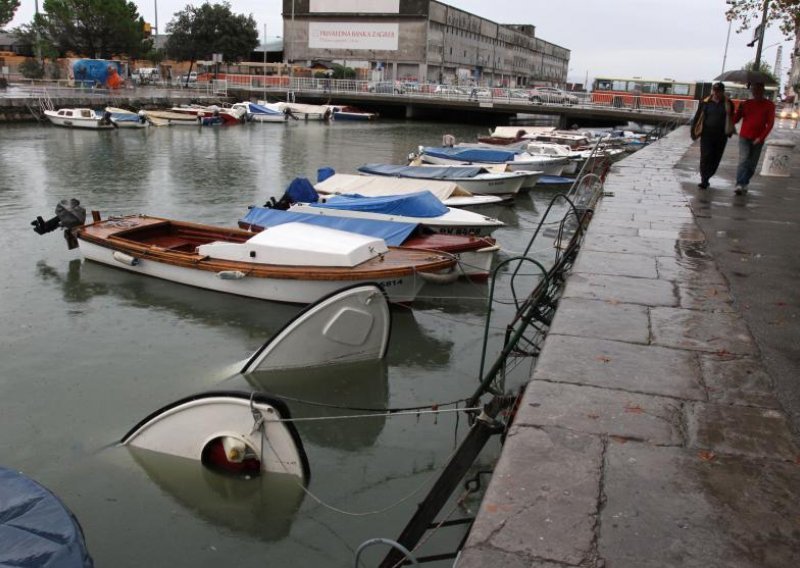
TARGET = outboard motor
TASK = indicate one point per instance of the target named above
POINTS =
(69, 214)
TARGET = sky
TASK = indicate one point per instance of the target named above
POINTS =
(677, 39)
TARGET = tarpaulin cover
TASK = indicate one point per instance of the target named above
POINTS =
(486, 155)
(554, 180)
(36, 529)
(392, 232)
(378, 186)
(93, 72)
(423, 172)
(422, 204)
(300, 190)
(324, 173)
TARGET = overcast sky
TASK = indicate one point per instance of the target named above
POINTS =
(680, 39)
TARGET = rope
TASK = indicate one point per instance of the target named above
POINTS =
(367, 409)
(376, 415)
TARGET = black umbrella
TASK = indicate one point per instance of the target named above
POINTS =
(746, 76)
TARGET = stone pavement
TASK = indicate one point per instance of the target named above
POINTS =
(650, 433)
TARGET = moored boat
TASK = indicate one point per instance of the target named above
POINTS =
(127, 119)
(258, 113)
(474, 179)
(513, 160)
(169, 118)
(351, 113)
(84, 118)
(293, 263)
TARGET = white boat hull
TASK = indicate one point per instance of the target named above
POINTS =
(257, 117)
(78, 122)
(454, 222)
(477, 264)
(399, 289)
(491, 184)
(553, 168)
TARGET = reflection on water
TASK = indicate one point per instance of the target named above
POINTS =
(263, 506)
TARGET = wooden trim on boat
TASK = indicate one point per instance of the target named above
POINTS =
(177, 248)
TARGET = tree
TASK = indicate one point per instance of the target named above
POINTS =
(211, 28)
(35, 36)
(763, 68)
(95, 28)
(7, 9)
(786, 13)
(31, 68)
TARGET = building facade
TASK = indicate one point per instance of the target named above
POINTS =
(420, 40)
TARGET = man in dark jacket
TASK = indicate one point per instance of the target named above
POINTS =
(713, 124)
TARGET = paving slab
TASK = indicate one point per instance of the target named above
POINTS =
(716, 332)
(671, 507)
(616, 264)
(683, 234)
(741, 430)
(543, 498)
(737, 380)
(644, 291)
(617, 365)
(634, 245)
(702, 271)
(602, 319)
(655, 419)
(481, 557)
(712, 297)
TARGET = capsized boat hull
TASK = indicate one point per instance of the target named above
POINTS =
(397, 271)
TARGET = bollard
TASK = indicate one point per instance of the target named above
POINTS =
(777, 158)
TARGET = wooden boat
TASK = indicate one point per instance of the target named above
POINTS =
(474, 254)
(84, 118)
(293, 263)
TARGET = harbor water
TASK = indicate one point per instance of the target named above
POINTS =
(87, 351)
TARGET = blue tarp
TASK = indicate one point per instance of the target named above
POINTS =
(421, 204)
(91, 72)
(301, 191)
(324, 173)
(485, 155)
(422, 172)
(36, 529)
(258, 109)
(392, 232)
(554, 180)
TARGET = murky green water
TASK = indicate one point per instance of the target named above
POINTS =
(87, 351)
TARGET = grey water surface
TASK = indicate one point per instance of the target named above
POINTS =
(87, 351)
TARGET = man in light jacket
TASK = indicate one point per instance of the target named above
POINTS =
(713, 124)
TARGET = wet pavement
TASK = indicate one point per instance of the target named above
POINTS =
(659, 427)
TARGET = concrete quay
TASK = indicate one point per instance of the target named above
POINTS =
(652, 433)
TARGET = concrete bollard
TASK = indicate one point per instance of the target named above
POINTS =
(777, 158)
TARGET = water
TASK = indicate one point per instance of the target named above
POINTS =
(88, 351)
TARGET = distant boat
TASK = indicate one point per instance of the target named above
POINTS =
(295, 263)
(258, 113)
(169, 118)
(301, 111)
(351, 113)
(84, 118)
(127, 119)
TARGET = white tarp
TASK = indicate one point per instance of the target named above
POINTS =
(355, 6)
(511, 131)
(353, 35)
(377, 186)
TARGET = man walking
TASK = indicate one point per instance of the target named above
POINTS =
(757, 115)
(713, 124)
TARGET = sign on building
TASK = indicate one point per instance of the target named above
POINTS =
(353, 35)
(356, 6)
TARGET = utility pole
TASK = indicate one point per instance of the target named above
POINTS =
(727, 41)
(155, 9)
(265, 62)
(763, 26)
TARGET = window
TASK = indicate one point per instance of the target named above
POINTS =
(680, 89)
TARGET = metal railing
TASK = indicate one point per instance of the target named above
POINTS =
(280, 86)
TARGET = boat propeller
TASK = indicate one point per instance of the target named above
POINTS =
(69, 214)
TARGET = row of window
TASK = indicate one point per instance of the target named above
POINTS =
(651, 88)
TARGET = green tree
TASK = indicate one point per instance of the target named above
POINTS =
(7, 9)
(198, 32)
(786, 13)
(31, 68)
(763, 68)
(35, 36)
(95, 28)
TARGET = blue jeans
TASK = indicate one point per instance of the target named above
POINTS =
(748, 160)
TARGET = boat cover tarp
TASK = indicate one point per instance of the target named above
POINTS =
(125, 117)
(324, 173)
(258, 109)
(36, 529)
(554, 180)
(392, 232)
(487, 155)
(422, 204)
(423, 172)
(379, 186)
(300, 190)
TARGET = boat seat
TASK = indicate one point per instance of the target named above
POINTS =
(169, 242)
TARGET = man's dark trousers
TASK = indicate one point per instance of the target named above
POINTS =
(712, 146)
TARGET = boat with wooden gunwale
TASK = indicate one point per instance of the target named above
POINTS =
(295, 262)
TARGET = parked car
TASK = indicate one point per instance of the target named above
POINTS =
(391, 87)
(552, 95)
(448, 90)
(188, 78)
(146, 76)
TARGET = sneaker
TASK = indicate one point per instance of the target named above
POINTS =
(740, 190)
(703, 185)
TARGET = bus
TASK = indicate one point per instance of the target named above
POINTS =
(662, 93)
